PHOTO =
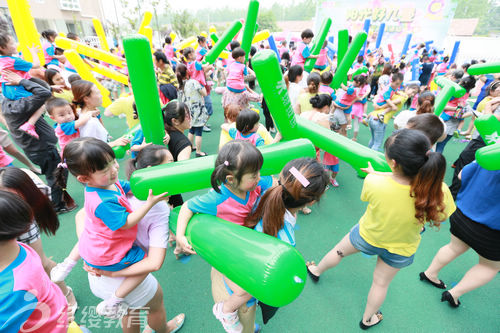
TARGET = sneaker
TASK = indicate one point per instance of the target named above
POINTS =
(113, 308)
(206, 128)
(29, 129)
(229, 321)
(334, 182)
(61, 271)
(380, 117)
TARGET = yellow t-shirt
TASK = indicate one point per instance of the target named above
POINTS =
(66, 94)
(303, 100)
(264, 134)
(123, 105)
(389, 221)
(482, 104)
(396, 99)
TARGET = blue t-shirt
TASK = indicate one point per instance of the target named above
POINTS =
(18, 66)
(136, 141)
(479, 196)
(287, 233)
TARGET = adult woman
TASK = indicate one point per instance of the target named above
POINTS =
(177, 120)
(54, 78)
(475, 225)
(425, 76)
(425, 104)
(32, 189)
(303, 101)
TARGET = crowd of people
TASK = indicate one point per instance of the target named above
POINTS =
(122, 239)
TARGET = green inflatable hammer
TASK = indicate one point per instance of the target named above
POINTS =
(449, 89)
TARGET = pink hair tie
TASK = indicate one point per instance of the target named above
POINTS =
(62, 165)
(226, 163)
(300, 177)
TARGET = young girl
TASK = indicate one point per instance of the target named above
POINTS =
(195, 68)
(383, 99)
(26, 289)
(237, 186)
(425, 104)
(236, 72)
(247, 125)
(294, 77)
(201, 50)
(342, 112)
(9, 62)
(54, 78)
(324, 87)
(49, 50)
(323, 61)
(399, 204)
(67, 127)
(360, 107)
(191, 92)
(110, 224)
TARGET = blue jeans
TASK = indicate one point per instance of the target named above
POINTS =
(208, 104)
(440, 145)
(377, 129)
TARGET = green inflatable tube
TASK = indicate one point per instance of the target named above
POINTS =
(489, 157)
(214, 38)
(250, 28)
(221, 44)
(343, 44)
(120, 151)
(360, 70)
(318, 43)
(267, 268)
(449, 89)
(348, 59)
(489, 128)
(486, 68)
(143, 79)
(192, 175)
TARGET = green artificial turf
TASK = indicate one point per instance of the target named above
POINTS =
(337, 302)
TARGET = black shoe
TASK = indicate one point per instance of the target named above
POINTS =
(446, 296)
(439, 285)
(314, 277)
(365, 327)
(65, 209)
(201, 154)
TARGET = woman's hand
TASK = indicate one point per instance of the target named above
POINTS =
(166, 139)
(182, 245)
(369, 169)
(12, 78)
(96, 271)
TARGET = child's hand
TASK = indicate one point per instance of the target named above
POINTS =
(182, 245)
(154, 199)
(369, 169)
(34, 49)
(166, 139)
(120, 142)
(12, 78)
(94, 113)
(57, 88)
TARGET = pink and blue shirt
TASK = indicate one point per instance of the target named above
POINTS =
(226, 205)
(287, 232)
(254, 138)
(5, 160)
(324, 89)
(301, 54)
(49, 50)
(20, 67)
(322, 59)
(168, 49)
(195, 71)
(200, 53)
(29, 301)
(385, 96)
(347, 99)
(65, 133)
(103, 241)
(236, 78)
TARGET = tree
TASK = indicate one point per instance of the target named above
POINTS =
(184, 23)
(266, 20)
(485, 10)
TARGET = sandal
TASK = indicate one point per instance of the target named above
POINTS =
(179, 321)
(439, 285)
(365, 327)
(313, 276)
(71, 308)
(380, 117)
(201, 154)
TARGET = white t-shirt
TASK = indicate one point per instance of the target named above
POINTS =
(94, 129)
(294, 90)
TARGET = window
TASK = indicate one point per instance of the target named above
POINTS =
(73, 5)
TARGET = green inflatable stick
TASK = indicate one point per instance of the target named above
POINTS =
(318, 44)
(143, 80)
(267, 268)
(120, 151)
(486, 68)
(349, 58)
(221, 44)
(489, 128)
(186, 176)
(250, 28)
(489, 157)
(267, 69)
(360, 70)
(343, 45)
(214, 38)
(449, 89)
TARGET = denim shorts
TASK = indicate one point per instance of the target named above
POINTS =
(391, 259)
(332, 168)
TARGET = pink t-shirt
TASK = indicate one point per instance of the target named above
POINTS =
(454, 102)
(195, 71)
(4, 158)
(66, 132)
(329, 159)
(169, 51)
(236, 78)
(347, 99)
(358, 108)
(103, 241)
(300, 54)
(15, 64)
(442, 68)
(48, 49)
(326, 90)
(321, 61)
(282, 50)
(153, 228)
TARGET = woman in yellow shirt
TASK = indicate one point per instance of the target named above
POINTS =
(400, 203)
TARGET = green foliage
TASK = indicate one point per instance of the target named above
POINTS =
(266, 20)
(486, 11)
(184, 24)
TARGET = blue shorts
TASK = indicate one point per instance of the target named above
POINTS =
(196, 131)
(332, 168)
(320, 67)
(346, 111)
(391, 259)
(135, 254)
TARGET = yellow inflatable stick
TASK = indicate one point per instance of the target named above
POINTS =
(146, 20)
(62, 34)
(84, 71)
(212, 30)
(100, 33)
(148, 32)
(109, 73)
(74, 328)
(204, 34)
(25, 27)
(89, 51)
(173, 36)
(260, 36)
(189, 42)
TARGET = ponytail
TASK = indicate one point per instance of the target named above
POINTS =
(270, 209)
(426, 102)
(182, 74)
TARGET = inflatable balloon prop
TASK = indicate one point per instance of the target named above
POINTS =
(249, 30)
(366, 28)
(449, 89)
(100, 33)
(489, 128)
(173, 36)
(348, 59)
(272, 46)
(148, 32)
(84, 71)
(120, 151)
(189, 42)
(414, 69)
(486, 68)
(406, 45)
(260, 36)
(214, 38)
(109, 73)
(342, 47)
(212, 30)
(24, 25)
(380, 34)
(277, 270)
(192, 175)
(489, 157)
(146, 21)
(143, 79)
(268, 72)
(317, 45)
(360, 70)
(428, 44)
(91, 52)
(221, 44)
(204, 34)
(454, 52)
(389, 46)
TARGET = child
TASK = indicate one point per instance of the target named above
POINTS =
(66, 126)
(169, 51)
(324, 87)
(303, 52)
(399, 204)
(167, 80)
(54, 78)
(323, 61)
(430, 124)
(49, 50)
(294, 89)
(236, 72)
(236, 189)
(26, 288)
(201, 50)
(110, 224)
(383, 99)
(360, 106)
(247, 125)
(344, 106)
(8, 62)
